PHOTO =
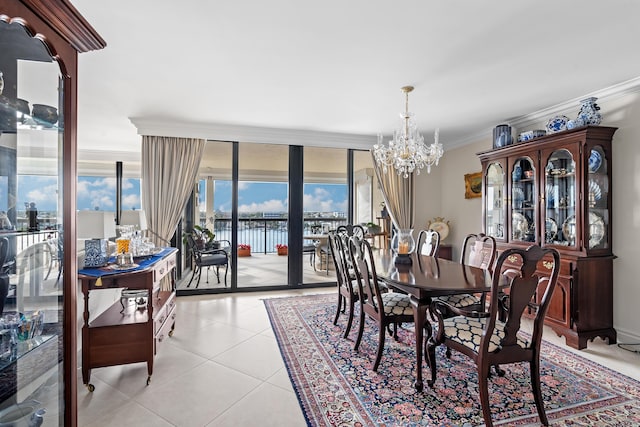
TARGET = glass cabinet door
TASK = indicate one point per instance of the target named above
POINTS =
(597, 195)
(494, 199)
(31, 245)
(560, 199)
(523, 200)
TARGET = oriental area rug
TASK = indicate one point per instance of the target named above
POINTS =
(336, 386)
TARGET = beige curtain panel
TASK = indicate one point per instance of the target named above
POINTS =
(169, 171)
(398, 193)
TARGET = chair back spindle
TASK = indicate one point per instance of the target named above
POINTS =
(366, 276)
(479, 250)
(428, 243)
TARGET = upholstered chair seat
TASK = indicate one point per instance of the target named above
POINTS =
(467, 331)
(396, 304)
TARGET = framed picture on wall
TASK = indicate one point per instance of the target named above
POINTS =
(472, 185)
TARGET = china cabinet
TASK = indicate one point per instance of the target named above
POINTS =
(556, 191)
(39, 44)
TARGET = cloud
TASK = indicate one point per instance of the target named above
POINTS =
(102, 202)
(266, 206)
(101, 193)
(131, 201)
(321, 201)
(46, 194)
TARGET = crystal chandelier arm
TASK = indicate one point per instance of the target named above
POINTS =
(407, 151)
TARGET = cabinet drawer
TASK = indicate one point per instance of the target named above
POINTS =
(164, 312)
(165, 329)
(162, 268)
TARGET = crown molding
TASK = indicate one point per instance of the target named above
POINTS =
(108, 156)
(263, 135)
(268, 135)
(603, 95)
(521, 122)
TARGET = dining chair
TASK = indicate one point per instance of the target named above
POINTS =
(348, 292)
(478, 250)
(428, 242)
(345, 232)
(489, 341)
(208, 258)
(385, 308)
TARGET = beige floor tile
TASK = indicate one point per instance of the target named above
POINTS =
(259, 357)
(103, 402)
(265, 406)
(129, 414)
(210, 340)
(253, 319)
(199, 396)
(131, 379)
(281, 379)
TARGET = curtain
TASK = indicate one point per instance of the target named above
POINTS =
(398, 193)
(169, 171)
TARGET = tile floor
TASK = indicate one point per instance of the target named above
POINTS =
(258, 270)
(222, 367)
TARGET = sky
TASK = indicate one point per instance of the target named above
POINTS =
(100, 192)
(272, 197)
(93, 192)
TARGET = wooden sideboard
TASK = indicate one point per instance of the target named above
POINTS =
(127, 333)
(445, 252)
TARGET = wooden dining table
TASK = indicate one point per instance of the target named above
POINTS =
(427, 277)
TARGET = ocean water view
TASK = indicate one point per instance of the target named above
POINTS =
(264, 234)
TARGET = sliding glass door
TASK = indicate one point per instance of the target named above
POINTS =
(211, 209)
(325, 206)
(255, 198)
(263, 194)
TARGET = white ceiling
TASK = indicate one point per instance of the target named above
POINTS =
(338, 65)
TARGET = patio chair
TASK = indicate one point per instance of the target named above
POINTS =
(207, 258)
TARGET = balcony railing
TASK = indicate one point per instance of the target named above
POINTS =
(263, 234)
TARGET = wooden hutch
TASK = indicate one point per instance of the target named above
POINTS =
(556, 190)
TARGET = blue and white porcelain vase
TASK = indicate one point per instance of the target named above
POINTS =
(516, 175)
(95, 253)
(589, 112)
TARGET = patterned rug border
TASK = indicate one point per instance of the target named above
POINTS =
(582, 367)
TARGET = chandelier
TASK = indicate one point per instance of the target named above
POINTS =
(407, 151)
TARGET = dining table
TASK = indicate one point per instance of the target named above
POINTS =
(424, 278)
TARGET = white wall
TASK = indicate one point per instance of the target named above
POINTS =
(465, 215)
(622, 111)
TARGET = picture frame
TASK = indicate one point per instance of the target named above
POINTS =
(473, 185)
